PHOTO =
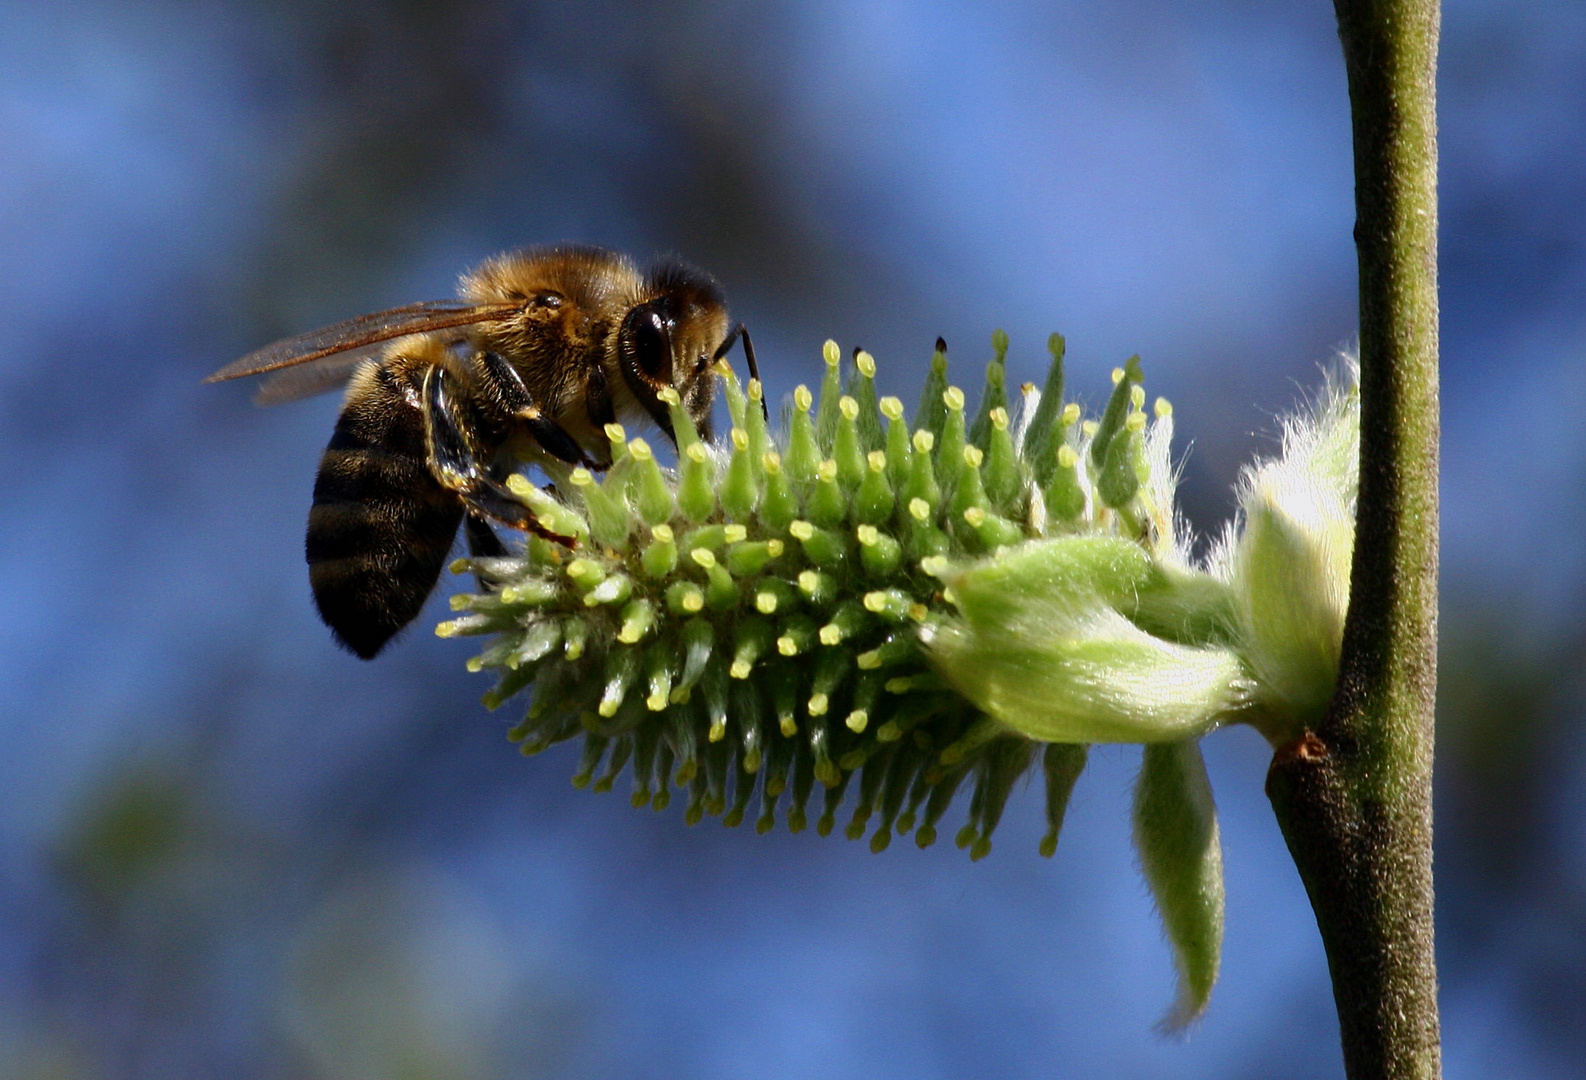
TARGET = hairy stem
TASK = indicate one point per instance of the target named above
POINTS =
(1353, 797)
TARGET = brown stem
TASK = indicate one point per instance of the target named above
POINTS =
(1354, 798)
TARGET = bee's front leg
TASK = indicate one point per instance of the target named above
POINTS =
(452, 462)
(510, 391)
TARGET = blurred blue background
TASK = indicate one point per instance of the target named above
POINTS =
(229, 849)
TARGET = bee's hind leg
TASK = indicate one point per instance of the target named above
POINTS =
(483, 543)
(455, 467)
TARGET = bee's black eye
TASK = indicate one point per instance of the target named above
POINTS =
(647, 339)
(547, 300)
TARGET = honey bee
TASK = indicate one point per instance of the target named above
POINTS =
(544, 348)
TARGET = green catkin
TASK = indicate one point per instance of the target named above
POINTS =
(826, 549)
(831, 670)
(665, 758)
(783, 682)
(818, 588)
(696, 491)
(768, 800)
(749, 624)
(819, 735)
(921, 483)
(694, 812)
(608, 516)
(1065, 498)
(508, 685)
(647, 740)
(965, 484)
(933, 411)
(740, 491)
(803, 785)
(1062, 763)
(721, 591)
(1043, 426)
(803, 455)
(685, 746)
(614, 590)
(848, 451)
(831, 802)
(827, 408)
(684, 598)
(617, 440)
(638, 620)
(939, 799)
(873, 502)
(1117, 481)
(799, 635)
(995, 395)
(754, 424)
(871, 775)
(658, 676)
(685, 434)
(848, 621)
(756, 638)
(779, 508)
(743, 791)
(953, 438)
(732, 391)
(1116, 412)
(652, 498)
(1002, 478)
(779, 760)
(827, 506)
(749, 714)
(659, 558)
(698, 645)
(594, 750)
(879, 553)
(901, 763)
(622, 669)
(1006, 761)
(713, 697)
(773, 596)
(898, 451)
(862, 388)
(746, 558)
(621, 750)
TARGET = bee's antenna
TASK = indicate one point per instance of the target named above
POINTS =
(754, 365)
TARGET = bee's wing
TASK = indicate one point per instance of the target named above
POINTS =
(315, 376)
(360, 332)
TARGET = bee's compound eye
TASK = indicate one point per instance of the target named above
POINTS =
(547, 300)
(648, 340)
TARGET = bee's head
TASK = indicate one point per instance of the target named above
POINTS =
(670, 339)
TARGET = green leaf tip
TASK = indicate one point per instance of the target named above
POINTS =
(1176, 837)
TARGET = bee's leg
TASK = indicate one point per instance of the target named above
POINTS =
(483, 543)
(742, 331)
(552, 437)
(598, 403)
(453, 464)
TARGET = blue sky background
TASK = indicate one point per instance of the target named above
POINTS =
(227, 848)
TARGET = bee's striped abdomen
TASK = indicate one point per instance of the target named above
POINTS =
(381, 527)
